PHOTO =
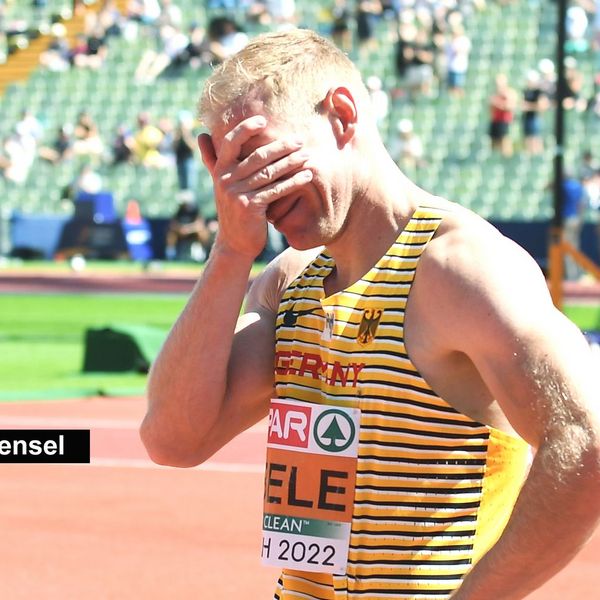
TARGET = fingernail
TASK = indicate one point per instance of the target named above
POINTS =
(306, 175)
(261, 121)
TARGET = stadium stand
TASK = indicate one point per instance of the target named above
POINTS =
(508, 37)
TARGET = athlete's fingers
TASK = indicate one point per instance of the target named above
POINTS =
(234, 139)
(263, 157)
(282, 188)
(207, 151)
(274, 171)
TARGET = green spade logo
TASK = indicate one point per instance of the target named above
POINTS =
(334, 430)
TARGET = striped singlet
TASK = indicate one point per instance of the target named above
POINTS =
(434, 489)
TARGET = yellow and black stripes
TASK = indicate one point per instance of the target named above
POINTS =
(434, 488)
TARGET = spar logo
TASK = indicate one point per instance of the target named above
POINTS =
(334, 430)
(289, 425)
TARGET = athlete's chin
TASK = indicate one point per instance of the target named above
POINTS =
(304, 237)
(300, 240)
(301, 245)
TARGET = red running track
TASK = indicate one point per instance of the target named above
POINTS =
(124, 528)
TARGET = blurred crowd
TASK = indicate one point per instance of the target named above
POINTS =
(431, 53)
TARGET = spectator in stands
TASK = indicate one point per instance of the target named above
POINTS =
(340, 25)
(574, 81)
(502, 105)
(196, 54)
(138, 13)
(97, 46)
(57, 57)
(90, 51)
(282, 13)
(379, 99)
(594, 103)
(573, 214)
(596, 30)
(146, 142)
(109, 18)
(88, 142)
(588, 175)
(547, 78)
(87, 180)
(184, 147)
(79, 51)
(576, 28)
(153, 63)
(61, 149)
(30, 125)
(405, 35)
(534, 104)
(122, 145)
(420, 54)
(407, 148)
(3, 46)
(225, 37)
(188, 235)
(146, 12)
(3, 36)
(15, 159)
(367, 14)
(458, 50)
(255, 12)
(170, 14)
(166, 144)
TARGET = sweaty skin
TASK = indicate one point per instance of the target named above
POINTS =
(480, 326)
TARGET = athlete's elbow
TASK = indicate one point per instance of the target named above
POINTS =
(167, 449)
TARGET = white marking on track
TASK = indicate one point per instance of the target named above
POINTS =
(91, 423)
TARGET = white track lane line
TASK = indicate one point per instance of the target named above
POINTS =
(7, 421)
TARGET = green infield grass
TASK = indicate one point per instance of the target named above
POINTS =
(585, 315)
(14, 266)
(42, 341)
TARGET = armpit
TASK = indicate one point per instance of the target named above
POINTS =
(268, 287)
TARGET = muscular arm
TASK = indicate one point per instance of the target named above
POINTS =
(538, 367)
(214, 375)
(194, 407)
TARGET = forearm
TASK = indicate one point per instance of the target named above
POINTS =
(187, 383)
(556, 513)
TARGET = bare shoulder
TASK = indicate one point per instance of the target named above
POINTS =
(268, 287)
(473, 273)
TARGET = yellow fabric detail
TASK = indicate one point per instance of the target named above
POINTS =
(506, 467)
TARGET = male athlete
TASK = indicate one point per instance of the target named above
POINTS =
(433, 430)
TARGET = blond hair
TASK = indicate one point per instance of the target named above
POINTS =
(289, 72)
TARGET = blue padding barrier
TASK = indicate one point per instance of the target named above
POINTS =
(36, 233)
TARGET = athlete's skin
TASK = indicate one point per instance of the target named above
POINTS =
(480, 326)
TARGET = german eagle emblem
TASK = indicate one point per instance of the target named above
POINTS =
(368, 325)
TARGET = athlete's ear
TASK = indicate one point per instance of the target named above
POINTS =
(341, 107)
(207, 150)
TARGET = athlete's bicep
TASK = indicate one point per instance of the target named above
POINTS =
(540, 374)
(534, 361)
(250, 373)
(249, 380)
